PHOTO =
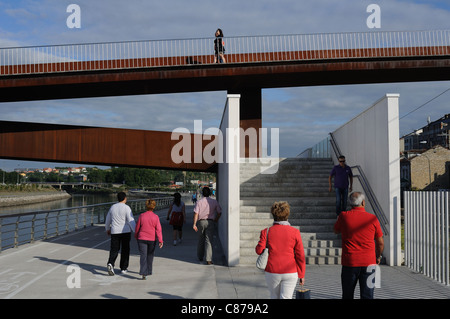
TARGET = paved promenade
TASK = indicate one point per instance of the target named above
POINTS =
(74, 266)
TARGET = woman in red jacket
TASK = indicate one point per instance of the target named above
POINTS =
(148, 230)
(286, 254)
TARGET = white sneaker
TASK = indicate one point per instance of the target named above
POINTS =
(179, 241)
(110, 270)
(175, 242)
(124, 271)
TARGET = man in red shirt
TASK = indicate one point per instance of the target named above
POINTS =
(362, 246)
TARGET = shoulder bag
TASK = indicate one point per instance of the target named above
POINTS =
(261, 261)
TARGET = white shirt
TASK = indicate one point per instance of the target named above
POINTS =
(120, 219)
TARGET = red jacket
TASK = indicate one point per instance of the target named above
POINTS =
(286, 253)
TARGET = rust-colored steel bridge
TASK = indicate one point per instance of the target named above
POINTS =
(188, 65)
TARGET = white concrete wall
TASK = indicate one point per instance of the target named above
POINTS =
(228, 180)
(371, 140)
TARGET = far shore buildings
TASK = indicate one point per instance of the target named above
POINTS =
(425, 157)
(426, 169)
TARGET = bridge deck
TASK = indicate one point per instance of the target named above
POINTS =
(233, 58)
(41, 270)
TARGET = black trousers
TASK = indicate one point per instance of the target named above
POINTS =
(350, 276)
(120, 242)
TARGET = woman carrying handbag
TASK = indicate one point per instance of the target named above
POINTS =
(286, 261)
(178, 218)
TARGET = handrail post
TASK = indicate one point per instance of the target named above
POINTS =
(46, 226)
(16, 232)
(33, 228)
(1, 223)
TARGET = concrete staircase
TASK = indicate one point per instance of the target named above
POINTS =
(303, 183)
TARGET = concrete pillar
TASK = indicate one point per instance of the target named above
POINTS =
(228, 182)
(250, 114)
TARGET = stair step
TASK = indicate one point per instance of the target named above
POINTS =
(319, 244)
(310, 260)
(320, 215)
(253, 234)
(302, 223)
(314, 252)
(294, 202)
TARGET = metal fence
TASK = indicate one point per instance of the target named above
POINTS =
(427, 234)
(22, 228)
(244, 49)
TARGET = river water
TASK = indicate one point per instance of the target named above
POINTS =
(74, 201)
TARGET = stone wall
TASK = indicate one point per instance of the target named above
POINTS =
(431, 170)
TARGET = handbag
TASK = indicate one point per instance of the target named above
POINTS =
(261, 261)
(303, 293)
(176, 219)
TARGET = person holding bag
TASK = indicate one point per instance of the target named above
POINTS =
(177, 208)
(286, 263)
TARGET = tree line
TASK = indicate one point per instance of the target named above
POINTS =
(132, 177)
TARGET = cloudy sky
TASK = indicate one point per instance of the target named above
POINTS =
(304, 115)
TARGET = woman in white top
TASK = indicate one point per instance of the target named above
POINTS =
(177, 208)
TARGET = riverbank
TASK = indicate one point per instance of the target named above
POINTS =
(24, 198)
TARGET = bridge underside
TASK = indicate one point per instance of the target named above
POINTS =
(216, 77)
(97, 146)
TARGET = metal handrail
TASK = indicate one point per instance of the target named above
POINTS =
(370, 195)
(20, 228)
(240, 49)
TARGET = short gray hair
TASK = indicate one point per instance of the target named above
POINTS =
(356, 198)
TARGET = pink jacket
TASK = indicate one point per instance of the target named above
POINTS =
(148, 227)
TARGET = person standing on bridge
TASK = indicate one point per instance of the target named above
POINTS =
(342, 176)
(219, 47)
(362, 246)
(119, 224)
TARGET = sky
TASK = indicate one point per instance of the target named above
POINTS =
(304, 115)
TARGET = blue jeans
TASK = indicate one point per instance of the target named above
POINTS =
(350, 276)
(341, 200)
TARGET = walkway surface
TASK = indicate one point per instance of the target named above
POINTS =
(54, 268)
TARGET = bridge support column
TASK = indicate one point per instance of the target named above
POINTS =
(250, 120)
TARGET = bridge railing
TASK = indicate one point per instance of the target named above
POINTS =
(21, 228)
(243, 49)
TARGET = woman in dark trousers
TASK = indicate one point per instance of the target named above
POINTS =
(219, 47)
(177, 208)
(148, 230)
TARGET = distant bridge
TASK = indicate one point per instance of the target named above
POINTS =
(83, 185)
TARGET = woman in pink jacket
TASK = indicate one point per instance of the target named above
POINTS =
(286, 263)
(148, 230)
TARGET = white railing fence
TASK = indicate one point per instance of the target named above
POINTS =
(427, 234)
(242, 49)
